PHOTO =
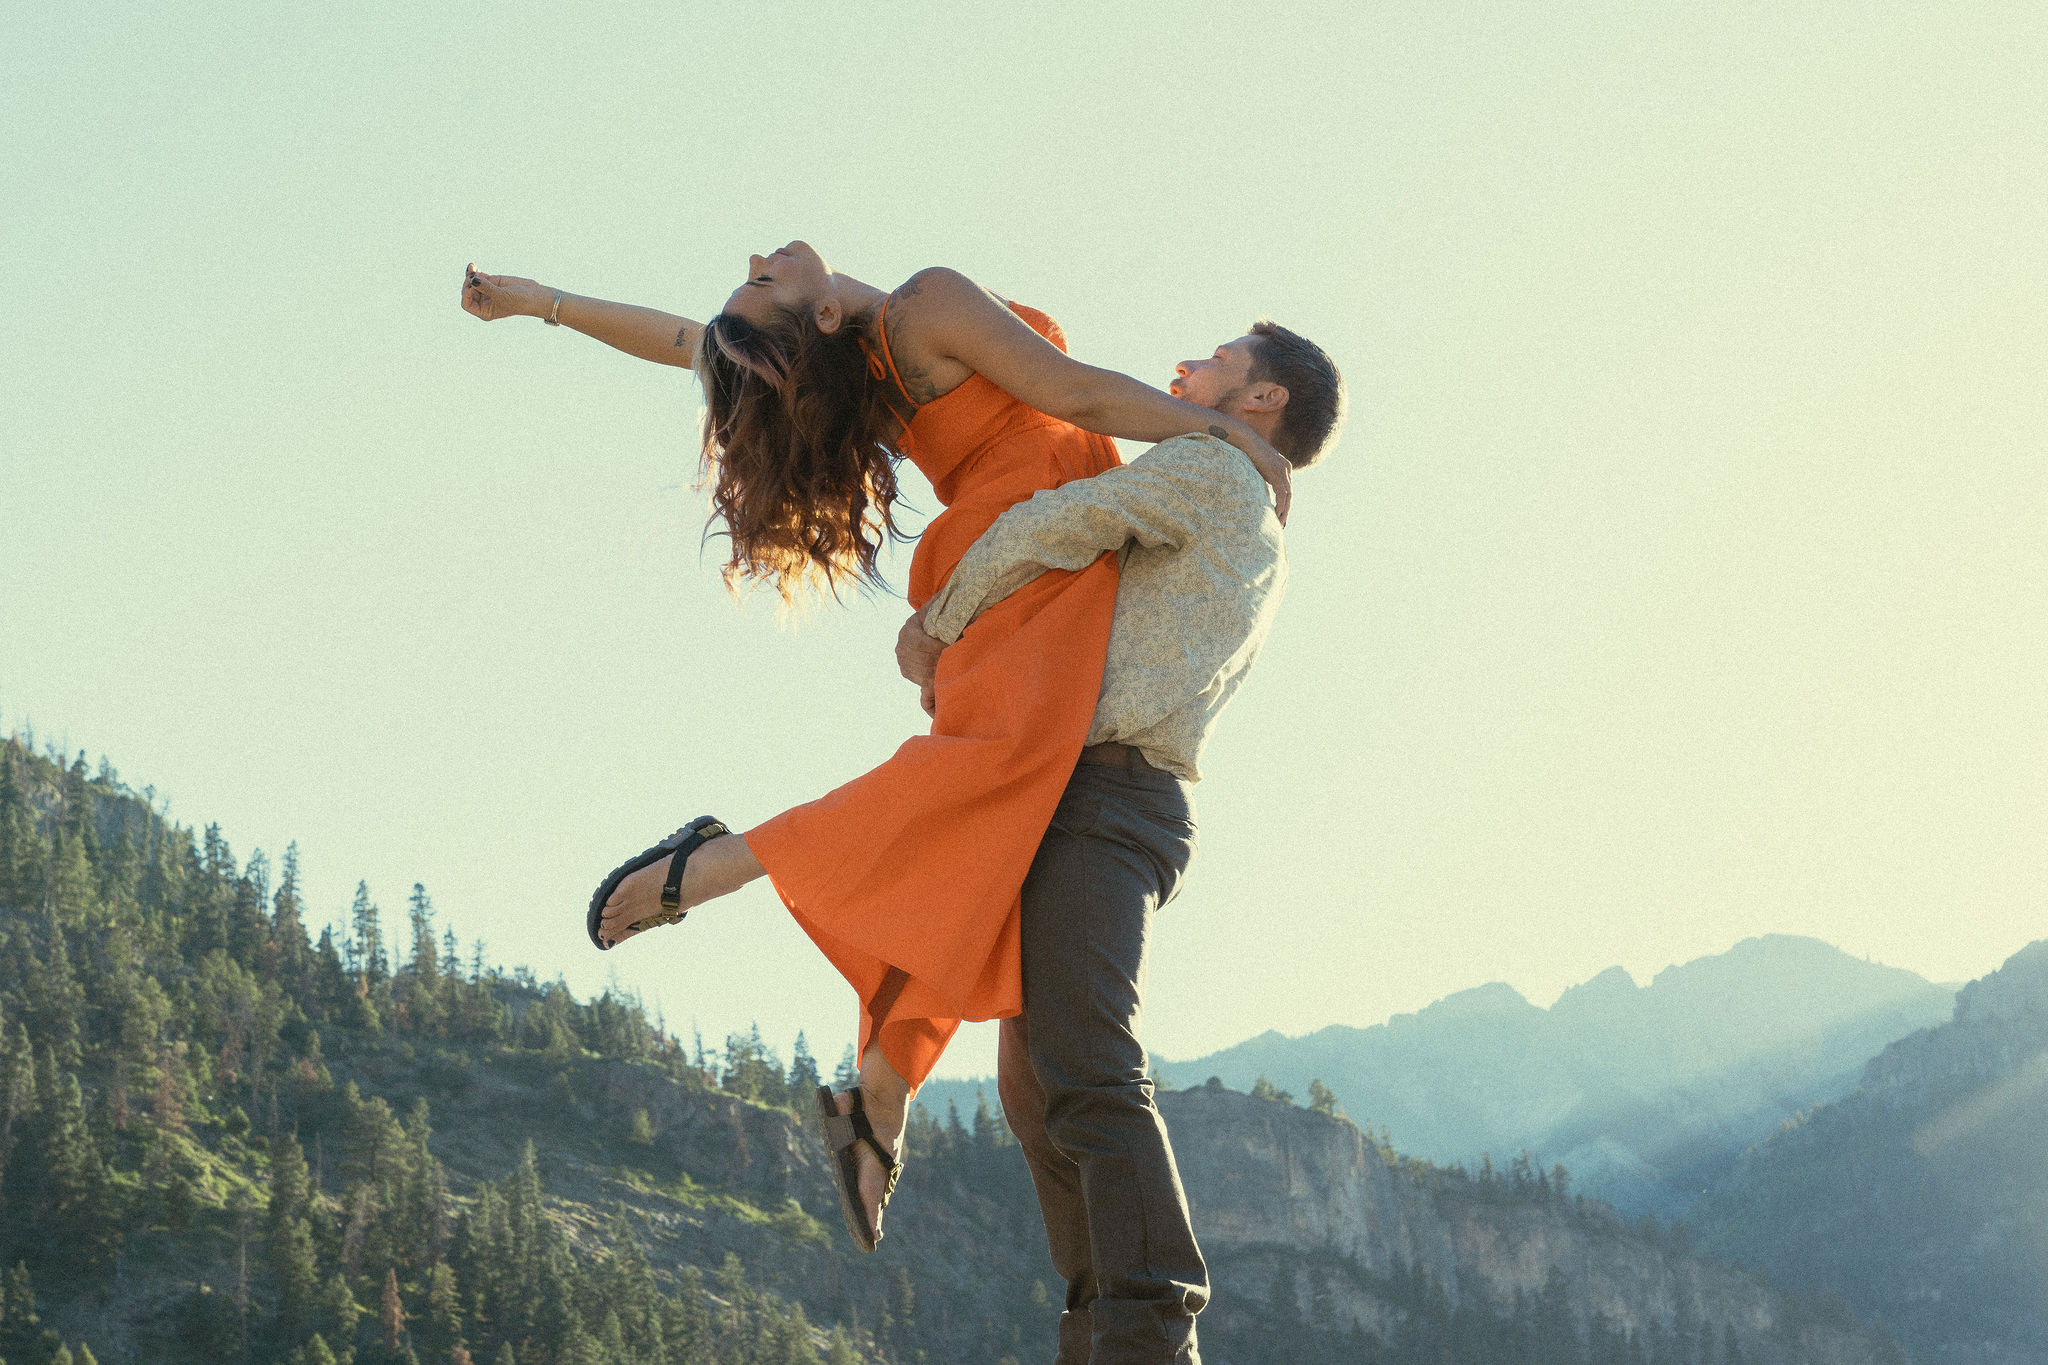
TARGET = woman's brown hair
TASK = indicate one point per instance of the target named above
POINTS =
(804, 445)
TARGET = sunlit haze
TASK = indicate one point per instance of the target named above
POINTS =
(1679, 577)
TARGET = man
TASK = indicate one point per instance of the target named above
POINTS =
(1203, 569)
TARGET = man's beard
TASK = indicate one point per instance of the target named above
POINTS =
(1231, 403)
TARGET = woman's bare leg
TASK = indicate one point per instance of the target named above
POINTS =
(720, 867)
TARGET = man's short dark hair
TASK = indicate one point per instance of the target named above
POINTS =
(1315, 391)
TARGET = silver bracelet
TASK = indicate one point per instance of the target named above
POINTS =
(552, 319)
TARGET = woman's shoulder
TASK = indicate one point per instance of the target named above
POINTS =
(941, 286)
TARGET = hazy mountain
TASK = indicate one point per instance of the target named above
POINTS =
(1922, 1196)
(1645, 1093)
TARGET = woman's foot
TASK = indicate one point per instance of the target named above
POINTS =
(719, 867)
(886, 1114)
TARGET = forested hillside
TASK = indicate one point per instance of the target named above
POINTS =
(216, 1141)
(223, 1138)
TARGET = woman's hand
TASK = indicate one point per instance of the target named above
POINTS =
(1271, 464)
(491, 297)
(917, 658)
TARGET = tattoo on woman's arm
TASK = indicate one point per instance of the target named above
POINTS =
(1218, 432)
(682, 332)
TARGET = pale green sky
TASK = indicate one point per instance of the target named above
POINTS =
(1680, 576)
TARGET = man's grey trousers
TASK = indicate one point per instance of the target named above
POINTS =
(1115, 1214)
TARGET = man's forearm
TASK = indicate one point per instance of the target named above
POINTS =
(1068, 527)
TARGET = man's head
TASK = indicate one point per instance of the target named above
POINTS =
(1279, 382)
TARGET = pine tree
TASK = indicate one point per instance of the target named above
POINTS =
(339, 1307)
(847, 1072)
(68, 889)
(1321, 1098)
(423, 996)
(295, 1273)
(288, 919)
(290, 1188)
(59, 1001)
(75, 1193)
(21, 847)
(803, 1075)
(17, 1095)
(366, 926)
(444, 1309)
(376, 1143)
(989, 1131)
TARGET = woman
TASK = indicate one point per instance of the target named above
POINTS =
(907, 877)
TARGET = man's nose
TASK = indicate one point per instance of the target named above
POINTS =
(1182, 368)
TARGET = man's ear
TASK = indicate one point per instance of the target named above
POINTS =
(1265, 398)
(828, 315)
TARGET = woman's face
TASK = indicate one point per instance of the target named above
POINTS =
(793, 276)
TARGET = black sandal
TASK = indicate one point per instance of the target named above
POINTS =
(677, 848)
(842, 1133)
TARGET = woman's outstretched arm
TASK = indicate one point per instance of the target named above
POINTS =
(955, 318)
(649, 333)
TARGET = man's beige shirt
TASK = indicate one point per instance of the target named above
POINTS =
(1204, 563)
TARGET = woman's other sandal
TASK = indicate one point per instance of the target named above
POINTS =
(844, 1135)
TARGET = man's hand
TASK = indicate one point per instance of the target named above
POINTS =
(917, 657)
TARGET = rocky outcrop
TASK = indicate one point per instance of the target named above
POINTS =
(1265, 1177)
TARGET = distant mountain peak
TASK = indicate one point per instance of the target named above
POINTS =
(1495, 997)
(1612, 984)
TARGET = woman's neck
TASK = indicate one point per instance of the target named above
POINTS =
(856, 298)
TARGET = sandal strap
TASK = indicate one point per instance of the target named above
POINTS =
(843, 1130)
(696, 834)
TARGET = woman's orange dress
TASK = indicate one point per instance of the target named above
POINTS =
(917, 865)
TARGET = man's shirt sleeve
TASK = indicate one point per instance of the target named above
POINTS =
(1156, 500)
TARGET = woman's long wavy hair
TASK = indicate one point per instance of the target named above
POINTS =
(804, 445)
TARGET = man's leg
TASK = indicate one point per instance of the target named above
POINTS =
(1114, 854)
(1058, 1181)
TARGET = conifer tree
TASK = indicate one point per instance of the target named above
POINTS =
(423, 971)
(58, 1001)
(295, 1273)
(366, 922)
(21, 847)
(340, 1309)
(17, 1096)
(990, 1132)
(75, 1195)
(289, 1185)
(803, 1074)
(444, 1310)
(288, 918)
